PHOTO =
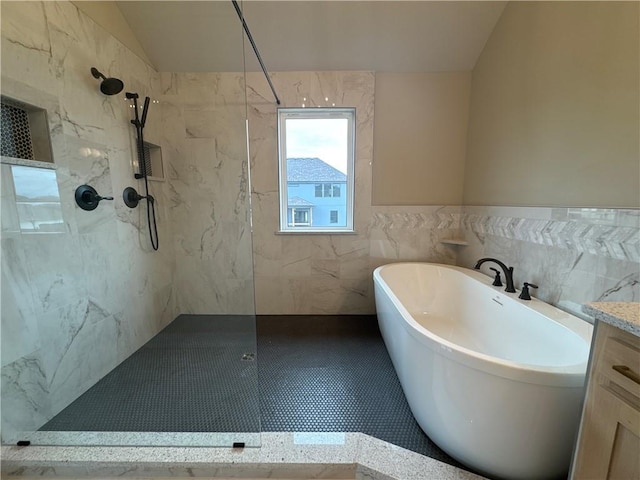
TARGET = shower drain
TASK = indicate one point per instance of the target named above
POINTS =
(248, 357)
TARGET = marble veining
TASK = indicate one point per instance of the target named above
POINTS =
(298, 274)
(78, 300)
(574, 255)
(204, 135)
(613, 233)
(27, 163)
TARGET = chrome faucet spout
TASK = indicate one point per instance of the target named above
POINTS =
(508, 272)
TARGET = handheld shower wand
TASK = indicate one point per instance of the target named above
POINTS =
(130, 195)
(139, 124)
(145, 109)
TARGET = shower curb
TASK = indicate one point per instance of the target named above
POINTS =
(305, 455)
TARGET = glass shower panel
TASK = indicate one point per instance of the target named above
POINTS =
(104, 340)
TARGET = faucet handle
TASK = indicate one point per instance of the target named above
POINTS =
(497, 282)
(524, 295)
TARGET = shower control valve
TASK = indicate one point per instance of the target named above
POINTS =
(87, 198)
(131, 197)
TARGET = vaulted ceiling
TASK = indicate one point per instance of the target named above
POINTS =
(388, 36)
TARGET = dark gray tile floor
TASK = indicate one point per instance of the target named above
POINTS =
(190, 377)
(333, 373)
(313, 374)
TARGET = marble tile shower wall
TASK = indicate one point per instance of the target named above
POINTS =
(204, 139)
(76, 301)
(330, 274)
(216, 256)
(574, 255)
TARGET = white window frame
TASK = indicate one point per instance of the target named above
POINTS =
(315, 113)
(294, 210)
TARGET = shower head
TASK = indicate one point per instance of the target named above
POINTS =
(109, 86)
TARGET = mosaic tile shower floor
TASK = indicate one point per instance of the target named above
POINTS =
(316, 374)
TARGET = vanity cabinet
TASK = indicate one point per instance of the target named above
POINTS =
(608, 444)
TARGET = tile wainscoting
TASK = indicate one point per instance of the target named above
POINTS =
(574, 255)
(333, 274)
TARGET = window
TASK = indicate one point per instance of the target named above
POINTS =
(37, 201)
(325, 190)
(301, 216)
(316, 150)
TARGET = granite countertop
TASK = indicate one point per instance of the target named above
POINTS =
(281, 455)
(624, 315)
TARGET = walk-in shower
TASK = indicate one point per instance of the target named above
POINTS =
(104, 341)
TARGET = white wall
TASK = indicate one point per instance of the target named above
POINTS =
(419, 138)
(555, 108)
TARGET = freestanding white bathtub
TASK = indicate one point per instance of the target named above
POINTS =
(495, 381)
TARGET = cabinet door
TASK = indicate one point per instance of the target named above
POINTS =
(609, 443)
(610, 439)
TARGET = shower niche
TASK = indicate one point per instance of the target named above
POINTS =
(153, 163)
(25, 131)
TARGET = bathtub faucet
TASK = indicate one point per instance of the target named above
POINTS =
(508, 272)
